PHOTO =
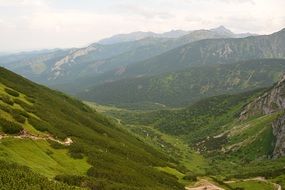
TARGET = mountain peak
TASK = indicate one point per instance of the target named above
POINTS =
(222, 29)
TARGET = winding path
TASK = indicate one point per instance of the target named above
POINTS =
(25, 135)
(204, 185)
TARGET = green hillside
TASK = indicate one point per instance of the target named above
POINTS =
(61, 138)
(188, 86)
(228, 148)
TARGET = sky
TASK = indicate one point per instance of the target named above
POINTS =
(45, 24)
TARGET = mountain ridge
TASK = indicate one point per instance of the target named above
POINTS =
(96, 59)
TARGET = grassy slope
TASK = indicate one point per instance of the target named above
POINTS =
(35, 153)
(117, 159)
(13, 176)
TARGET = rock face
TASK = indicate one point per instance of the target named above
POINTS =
(271, 102)
(279, 133)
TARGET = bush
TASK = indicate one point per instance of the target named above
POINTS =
(31, 100)
(22, 113)
(190, 176)
(19, 118)
(10, 127)
(26, 106)
(7, 100)
(19, 115)
(12, 92)
(38, 124)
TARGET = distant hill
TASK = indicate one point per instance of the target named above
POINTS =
(63, 139)
(188, 86)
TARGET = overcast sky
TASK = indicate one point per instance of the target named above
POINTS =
(37, 24)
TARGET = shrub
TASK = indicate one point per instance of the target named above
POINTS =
(19, 118)
(12, 92)
(38, 124)
(31, 100)
(26, 106)
(190, 176)
(22, 113)
(10, 127)
(7, 100)
(56, 145)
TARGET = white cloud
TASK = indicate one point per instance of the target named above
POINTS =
(31, 24)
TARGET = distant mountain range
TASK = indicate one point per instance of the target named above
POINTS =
(203, 52)
(61, 66)
(171, 34)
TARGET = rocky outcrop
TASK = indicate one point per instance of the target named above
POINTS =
(279, 133)
(271, 102)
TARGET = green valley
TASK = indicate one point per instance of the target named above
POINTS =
(212, 139)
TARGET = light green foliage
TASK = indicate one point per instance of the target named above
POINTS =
(41, 157)
(253, 185)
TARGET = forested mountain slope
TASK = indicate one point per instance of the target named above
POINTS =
(188, 86)
(63, 139)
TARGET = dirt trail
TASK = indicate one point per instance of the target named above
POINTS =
(25, 135)
(204, 185)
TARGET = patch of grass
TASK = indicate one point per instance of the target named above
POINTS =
(41, 157)
(252, 185)
(174, 172)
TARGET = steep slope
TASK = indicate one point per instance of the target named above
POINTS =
(185, 87)
(61, 138)
(269, 103)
